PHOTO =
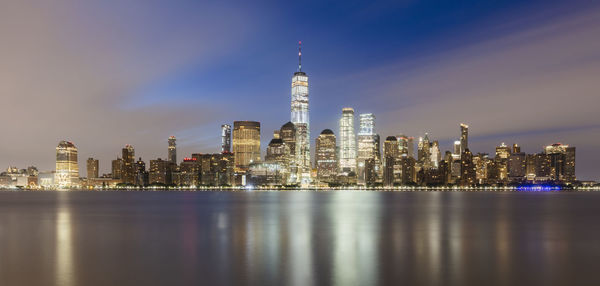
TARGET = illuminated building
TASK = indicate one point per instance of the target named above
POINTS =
(435, 154)
(390, 155)
(424, 152)
(160, 172)
(141, 176)
(457, 148)
(481, 162)
(117, 169)
(287, 133)
(172, 155)
(468, 172)
(300, 119)
(464, 137)
(128, 172)
(67, 168)
(366, 144)
(347, 142)
(216, 169)
(92, 168)
(278, 152)
(189, 172)
(225, 138)
(266, 174)
(501, 160)
(326, 157)
(517, 165)
(246, 144)
(562, 162)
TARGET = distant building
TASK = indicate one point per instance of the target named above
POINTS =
(391, 153)
(468, 174)
(92, 168)
(326, 157)
(225, 138)
(347, 142)
(464, 137)
(300, 119)
(160, 172)
(117, 169)
(129, 171)
(246, 144)
(562, 162)
(172, 154)
(287, 133)
(67, 169)
(141, 175)
(367, 145)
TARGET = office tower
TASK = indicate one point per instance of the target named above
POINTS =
(189, 171)
(424, 152)
(287, 133)
(468, 172)
(278, 152)
(347, 142)
(410, 143)
(326, 157)
(92, 168)
(141, 176)
(225, 138)
(517, 165)
(405, 169)
(128, 171)
(215, 169)
(457, 148)
(172, 155)
(481, 162)
(366, 144)
(117, 169)
(562, 158)
(299, 115)
(160, 172)
(391, 153)
(246, 144)
(67, 169)
(435, 154)
(502, 151)
(464, 137)
(516, 148)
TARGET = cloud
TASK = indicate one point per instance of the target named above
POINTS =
(67, 67)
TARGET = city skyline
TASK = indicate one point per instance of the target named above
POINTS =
(139, 115)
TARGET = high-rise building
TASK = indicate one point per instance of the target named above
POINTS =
(141, 176)
(299, 115)
(278, 152)
(468, 171)
(464, 137)
(326, 157)
(517, 165)
(367, 145)
(287, 133)
(246, 144)
(562, 159)
(128, 173)
(117, 169)
(347, 142)
(225, 138)
(391, 153)
(424, 152)
(67, 168)
(92, 168)
(160, 172)
(172, 155)
(436, 155)
(457, 149)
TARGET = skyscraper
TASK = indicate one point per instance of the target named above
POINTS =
(129, 169)
(172, 156)
(366, 144)
(299, 115)
(246, 144)
(464, 137)
(391, 153)
(326, 157)
(225, 138)
(67, 169)
(92, 168)
(287, 133)
(347, 142)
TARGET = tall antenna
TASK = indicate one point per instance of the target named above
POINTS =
(299, 55)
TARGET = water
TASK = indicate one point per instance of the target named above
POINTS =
(299, 238)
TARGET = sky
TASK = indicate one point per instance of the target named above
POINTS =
(103, 74)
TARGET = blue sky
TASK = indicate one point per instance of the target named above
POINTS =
(108, 73)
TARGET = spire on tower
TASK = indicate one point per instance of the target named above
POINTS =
(299, 55)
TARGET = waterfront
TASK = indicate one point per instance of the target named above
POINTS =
(299, 238)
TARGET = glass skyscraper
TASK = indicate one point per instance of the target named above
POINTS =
(347, 142)
(299, 116)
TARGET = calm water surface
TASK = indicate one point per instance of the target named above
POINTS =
(299, 238)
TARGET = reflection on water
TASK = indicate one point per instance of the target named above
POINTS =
(298, 238)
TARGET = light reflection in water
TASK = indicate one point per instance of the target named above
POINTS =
(65, 271)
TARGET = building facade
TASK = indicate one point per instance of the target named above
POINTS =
(67, 168)
(246, 144)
